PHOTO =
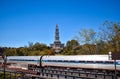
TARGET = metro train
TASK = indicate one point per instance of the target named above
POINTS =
(70, 61)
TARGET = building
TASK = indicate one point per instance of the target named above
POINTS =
(57, 46)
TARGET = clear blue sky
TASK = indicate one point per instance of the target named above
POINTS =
(23, 21)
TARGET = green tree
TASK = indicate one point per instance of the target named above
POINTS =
(39, 46)
(69, 48)
(10, 51)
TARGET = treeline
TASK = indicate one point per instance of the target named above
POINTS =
(102, 41)
(31, 50)
(88, 41)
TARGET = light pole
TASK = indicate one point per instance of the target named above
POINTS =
(110, 56)
(4, 58)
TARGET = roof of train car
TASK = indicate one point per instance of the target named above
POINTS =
(78, 57)
(24, 57)
(64, 57)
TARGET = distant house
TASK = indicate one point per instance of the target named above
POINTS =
(57, 45)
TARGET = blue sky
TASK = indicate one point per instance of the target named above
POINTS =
(23, 21)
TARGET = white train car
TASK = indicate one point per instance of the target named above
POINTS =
(81, 61)
(74, 61)
(22, 61)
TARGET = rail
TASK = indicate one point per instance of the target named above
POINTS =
(66, 73)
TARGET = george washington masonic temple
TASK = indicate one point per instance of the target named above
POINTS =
(57, 46)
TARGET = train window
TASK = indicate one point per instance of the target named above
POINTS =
(118, 63)
(26, 60)
(81, 61)
(90, 61)
(20, 60)
(72, 61)
(59, 60)
(109, 62)
(53, 60)
(65, 61)
(99, 62)
(35, 60)
(13, 59)
(29, 60)
(76, 61)
(48, 60)
(103, 62)
(45, 60)
(56, 60)
(32, 60)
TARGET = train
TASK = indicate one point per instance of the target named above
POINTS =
(69, 61)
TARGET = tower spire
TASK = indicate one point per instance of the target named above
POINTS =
(57, 33)
(57, 46)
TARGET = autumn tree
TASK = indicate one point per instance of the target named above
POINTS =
(86, 36)
(110, 35)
